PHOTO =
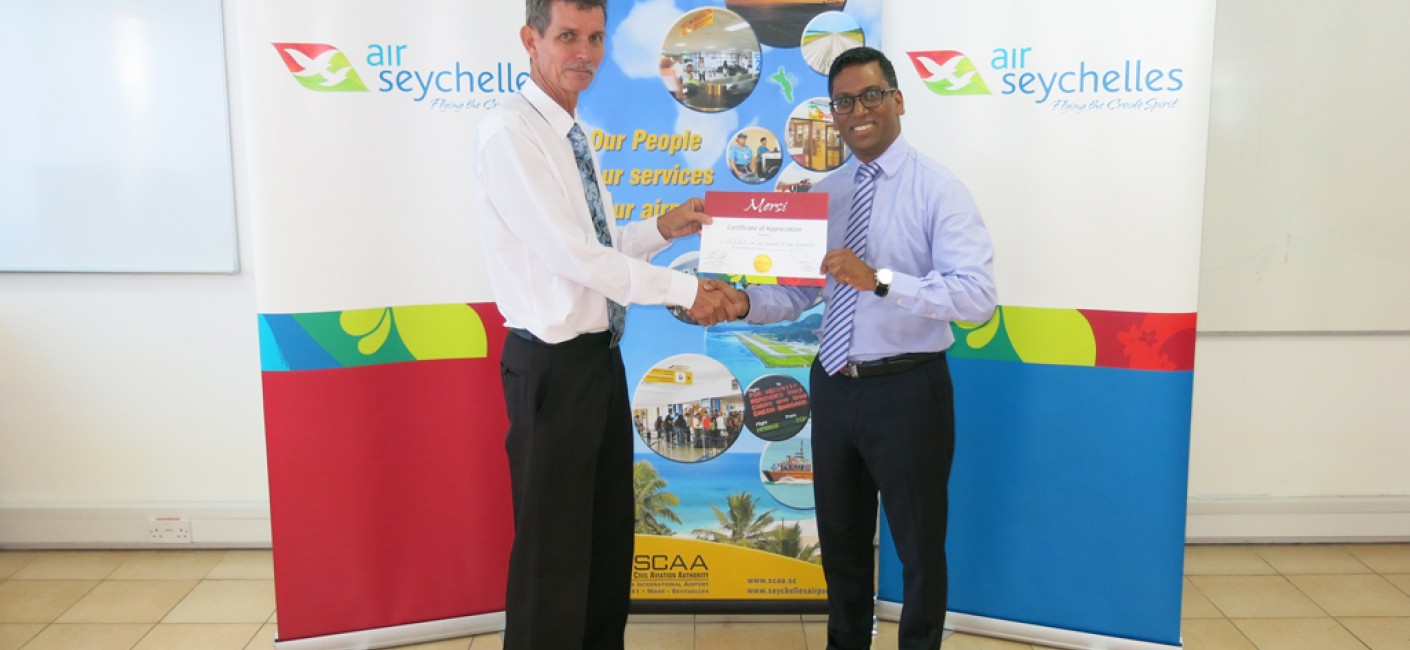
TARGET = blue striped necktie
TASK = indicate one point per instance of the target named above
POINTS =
(837, 335)
(616, 314)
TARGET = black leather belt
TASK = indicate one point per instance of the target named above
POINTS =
(889, 365)
(589, 341)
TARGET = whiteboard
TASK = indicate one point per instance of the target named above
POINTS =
(1307, 201)
(115, 137)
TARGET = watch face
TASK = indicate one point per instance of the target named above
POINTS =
(883, 276)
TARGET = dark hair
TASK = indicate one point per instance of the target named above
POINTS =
(861, 56)
(537, 11)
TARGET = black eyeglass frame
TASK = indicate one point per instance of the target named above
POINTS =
(851, 100)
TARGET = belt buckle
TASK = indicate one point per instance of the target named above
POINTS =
(850, 370)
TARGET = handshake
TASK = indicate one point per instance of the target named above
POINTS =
(717, 302)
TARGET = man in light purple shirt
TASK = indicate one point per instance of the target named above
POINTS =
(883, 419)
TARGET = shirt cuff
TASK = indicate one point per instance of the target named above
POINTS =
(682, 290)
(903, 289)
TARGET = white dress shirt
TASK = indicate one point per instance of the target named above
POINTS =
(549, 273)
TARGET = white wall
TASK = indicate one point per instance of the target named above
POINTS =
(130, 396)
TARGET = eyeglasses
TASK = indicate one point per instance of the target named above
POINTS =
(870, 98)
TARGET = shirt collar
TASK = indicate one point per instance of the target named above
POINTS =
(891, 159)
(558, 119)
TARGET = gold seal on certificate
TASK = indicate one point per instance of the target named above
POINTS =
(776, 235)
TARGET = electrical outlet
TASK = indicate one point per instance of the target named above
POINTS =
(169, 530)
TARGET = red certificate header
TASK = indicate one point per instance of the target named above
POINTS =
(767, 205)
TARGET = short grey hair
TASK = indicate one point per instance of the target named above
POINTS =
(538, 11)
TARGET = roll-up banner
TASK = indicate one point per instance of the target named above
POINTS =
(379, 339)
(1080, 128)
(698, 97)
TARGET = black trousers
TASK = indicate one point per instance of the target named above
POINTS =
(893, 434)
(570, 470)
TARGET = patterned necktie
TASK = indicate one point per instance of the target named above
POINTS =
(616, 314)
(837, 336)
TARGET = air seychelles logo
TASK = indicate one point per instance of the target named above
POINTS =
(452, 87)
(947, 72)
(1069, 87)
(320, 67)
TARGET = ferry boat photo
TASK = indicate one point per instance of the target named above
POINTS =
(795, 468)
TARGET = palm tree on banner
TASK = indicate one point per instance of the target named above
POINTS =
(787, 541)
(652, 505)
(741, 527)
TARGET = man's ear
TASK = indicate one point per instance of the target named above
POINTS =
(530, 40)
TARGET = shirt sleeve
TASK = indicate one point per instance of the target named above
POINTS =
(775, 303)
(517, 178)
(961, 288)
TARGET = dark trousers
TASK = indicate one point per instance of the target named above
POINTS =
(570, 470)
(893, 434)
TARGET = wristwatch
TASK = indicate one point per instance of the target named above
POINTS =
(883, 282)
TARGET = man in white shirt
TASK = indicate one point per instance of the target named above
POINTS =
(562, 274)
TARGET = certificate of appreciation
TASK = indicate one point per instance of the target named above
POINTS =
(780, 235)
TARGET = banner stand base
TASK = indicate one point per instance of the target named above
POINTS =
(1026, 633)
(387, 637)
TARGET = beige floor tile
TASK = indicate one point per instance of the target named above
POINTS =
(1354, 595)
(1213, 634)
(888, 635)
(749, 636)
(264, 638)
(1256, 596)
(1194, 604)
(660, 618)
(206, 636)
(1225, 561)
(458, 643)
(168, 565)
(12, 561)
(1400, 581)
(39, 601)
(660, 636)
(14, 635)
(71, 565)
(128, 601)
(88, 637)
(1383, 558)
(1298, 634)
(244, 565)
(971, 642)
(226, 601)
(815, 634)
(486, 642)
(748, 618)
(1380, 633)
(1302, 559)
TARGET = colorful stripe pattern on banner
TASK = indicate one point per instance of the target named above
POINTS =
(1081, 337)
(365, 337)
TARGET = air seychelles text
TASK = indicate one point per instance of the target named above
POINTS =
(457, 79)
(1131, 76)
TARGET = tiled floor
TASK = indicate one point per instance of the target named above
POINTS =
(1319, 597)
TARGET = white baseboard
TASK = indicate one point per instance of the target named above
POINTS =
(220, 525)
(1298, 520)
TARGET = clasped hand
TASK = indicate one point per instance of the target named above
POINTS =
(717, 302)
